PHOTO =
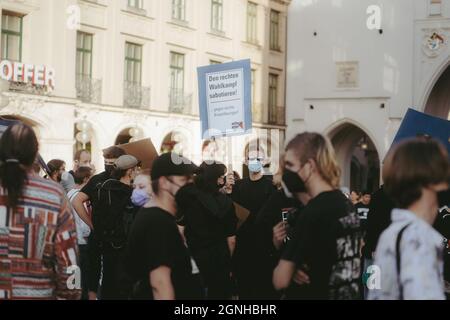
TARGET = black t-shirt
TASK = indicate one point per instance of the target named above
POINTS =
(208, 218)
(362, 210)
(90, 188)
(378, 220)
(155, 241)
(252, 195)
(326, 243)
(270, 215)
(248, 270)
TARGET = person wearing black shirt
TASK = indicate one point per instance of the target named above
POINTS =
(362, 208)
(89, 193)
(114, 214)
(323, 255)
(275, 223)
(251, 193)
(209, 221)
(158, 261)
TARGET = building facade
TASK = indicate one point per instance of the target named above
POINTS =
(126, 69)
(354, 68)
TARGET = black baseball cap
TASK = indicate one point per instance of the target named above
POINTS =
(172, 164)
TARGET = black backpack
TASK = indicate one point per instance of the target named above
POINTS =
(113, 212)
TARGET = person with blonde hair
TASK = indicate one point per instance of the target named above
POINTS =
(323, 255)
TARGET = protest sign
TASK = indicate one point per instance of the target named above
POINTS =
(143, 150)
(416, 124)
(225, 99)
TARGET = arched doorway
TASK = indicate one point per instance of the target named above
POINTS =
(357, 157)
(31, 123)
(214, 150)
(438, 103)
(125, 136)
(174, 142)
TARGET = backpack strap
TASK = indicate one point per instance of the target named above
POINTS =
(398, 259)
(100, 186)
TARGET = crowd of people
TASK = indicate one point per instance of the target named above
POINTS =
(203, 233)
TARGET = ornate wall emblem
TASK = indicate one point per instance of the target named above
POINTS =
(433, 43)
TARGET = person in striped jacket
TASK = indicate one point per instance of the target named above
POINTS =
(38, 243)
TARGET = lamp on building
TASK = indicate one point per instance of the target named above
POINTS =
(84, 134)
(363, 144)
(83, 126)
(135, 133)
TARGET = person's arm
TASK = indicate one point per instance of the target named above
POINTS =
(283, 273)
(78, 205)
(181, 230)
(161, 284)
(231, 244)
(66, 255)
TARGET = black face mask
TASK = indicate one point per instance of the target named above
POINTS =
(109, 168)
(443, 198)
(293, 182)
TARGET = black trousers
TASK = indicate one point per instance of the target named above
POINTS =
(85, 268)
(115, 284)
(215, 272)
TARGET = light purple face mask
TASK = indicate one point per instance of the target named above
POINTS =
(140, 197)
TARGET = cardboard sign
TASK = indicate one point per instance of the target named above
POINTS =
(225, 99)
(241, 213)
(143, 150)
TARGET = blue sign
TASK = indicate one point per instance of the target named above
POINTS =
(416, 124)
(225, 99)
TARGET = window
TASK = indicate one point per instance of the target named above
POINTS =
(179, 10)
(214, 62)
(137, 4)
(274, 30)
(84, 54)
(273, 97)
(11, 36)
(133, 62)
(251, 22)
(177, 71)
(216, 14)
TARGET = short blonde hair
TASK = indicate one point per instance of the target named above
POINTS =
(311, 145)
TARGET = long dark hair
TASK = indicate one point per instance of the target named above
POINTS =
(18, 150)
(55, 165)
(206, 179)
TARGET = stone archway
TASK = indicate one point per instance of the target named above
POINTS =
(357, 156)
(438, 102)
